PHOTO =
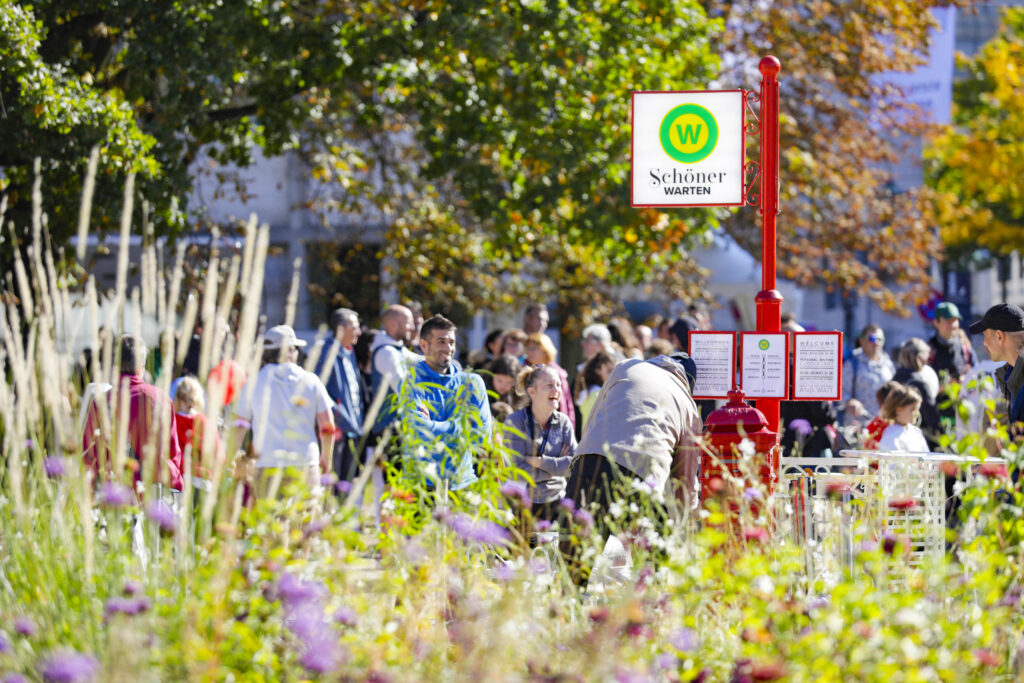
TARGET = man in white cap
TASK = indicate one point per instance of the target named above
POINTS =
(289, 412)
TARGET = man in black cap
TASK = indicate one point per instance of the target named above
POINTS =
(1003, 326)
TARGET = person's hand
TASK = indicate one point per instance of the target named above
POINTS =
(533, 461)
(566, 450)
(423, 409)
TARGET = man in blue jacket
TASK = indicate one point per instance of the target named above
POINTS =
(452, 416)
(337, 369)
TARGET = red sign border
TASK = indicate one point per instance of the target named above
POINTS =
(689, 350)
(839, 358)
(785, 337)
(743, 146)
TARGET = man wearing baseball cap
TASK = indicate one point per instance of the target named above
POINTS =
(951, 350)
(1003, 327)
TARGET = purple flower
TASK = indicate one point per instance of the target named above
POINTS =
(890, 542)
(68, 666)
(53, 466)
(343, 487)
(346, 616)
(666, 661)
(627, 676)
(504, 572)
(24, 626)
(516, 489)
(801, 427)
(316, 526)
(585, 519)
(132, 588)
(818, 603)
(752, 494)
(480, 531)
(568, 504)
(543, 525)
(115, 495)
(322, 656)
(684, 640)
(306, 620)
(127, 606)
(161, 514)
(13, 678)
(327, 480)
(293, 590)
(5, 644)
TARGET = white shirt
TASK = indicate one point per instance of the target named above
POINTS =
(394, 361)
(282, 405)
(905, 438)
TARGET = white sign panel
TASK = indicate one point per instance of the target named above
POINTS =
(817, 366)
(930, 86)
(764, 364)
(714, 354)
(688, 148)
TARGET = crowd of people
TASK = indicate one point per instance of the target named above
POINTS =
(626, 411)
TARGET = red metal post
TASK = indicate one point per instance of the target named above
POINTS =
(769, 300)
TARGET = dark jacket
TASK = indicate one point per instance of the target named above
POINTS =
(344, 385)
(950, 356)
(1010, 379)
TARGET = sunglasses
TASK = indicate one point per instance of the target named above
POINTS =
(876, 338)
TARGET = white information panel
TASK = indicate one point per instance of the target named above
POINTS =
(764, 364)
(817, 366)
(714, 353)
(688, 148)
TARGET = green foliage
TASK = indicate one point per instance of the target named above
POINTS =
(975, 164)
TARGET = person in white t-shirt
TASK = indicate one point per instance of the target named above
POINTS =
(903, 407)
(289, 412)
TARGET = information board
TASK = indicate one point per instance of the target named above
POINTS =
(714, 353)
(817, 366)
(764, 364)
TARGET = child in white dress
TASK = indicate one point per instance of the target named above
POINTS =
(903, 407)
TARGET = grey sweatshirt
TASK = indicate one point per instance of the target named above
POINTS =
(550, 478)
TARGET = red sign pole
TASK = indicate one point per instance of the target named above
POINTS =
(769, 300)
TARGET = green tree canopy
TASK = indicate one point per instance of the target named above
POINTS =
(976, 164)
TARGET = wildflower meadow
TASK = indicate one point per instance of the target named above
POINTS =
(104, 581)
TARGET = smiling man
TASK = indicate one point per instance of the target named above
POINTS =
(1003, 327)
(452, 415)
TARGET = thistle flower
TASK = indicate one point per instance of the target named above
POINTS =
(53, 466)
(752, 494)
(344, 487)
(131, 588)
(567, 504)
(801, 427)
(24, 626)
(68, 666)
(127, 606)
(517, 490)
(114, 494)
(327, 480)
(161, 514)
(584, 518)
(292, 590)
(321, 657)
(683, 639)
(543, 525)
(346, 616)
(480, 531)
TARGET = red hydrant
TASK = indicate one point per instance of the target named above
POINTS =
(724, 430)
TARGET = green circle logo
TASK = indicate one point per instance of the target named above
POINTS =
(763, 344)
(689, 133)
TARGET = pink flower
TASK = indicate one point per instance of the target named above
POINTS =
(756, 533)
(904, 503)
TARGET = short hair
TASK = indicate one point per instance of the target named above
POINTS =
(492, 337)
(600, 359)
(1017, 338)
(914, 354)
(599, 332)
(900, 396)
(501, 410)
(437, 322)
(516, 334)
(133, 354)
(190, 394)
(505, 365)
(868, 329)
(341, 316)
(535, 308)
(660, 347)
(544, 342)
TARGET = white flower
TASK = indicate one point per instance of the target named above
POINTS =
(615, 509)
(747, 448)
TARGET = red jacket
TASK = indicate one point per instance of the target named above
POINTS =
(190, 431)
(145, 402)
